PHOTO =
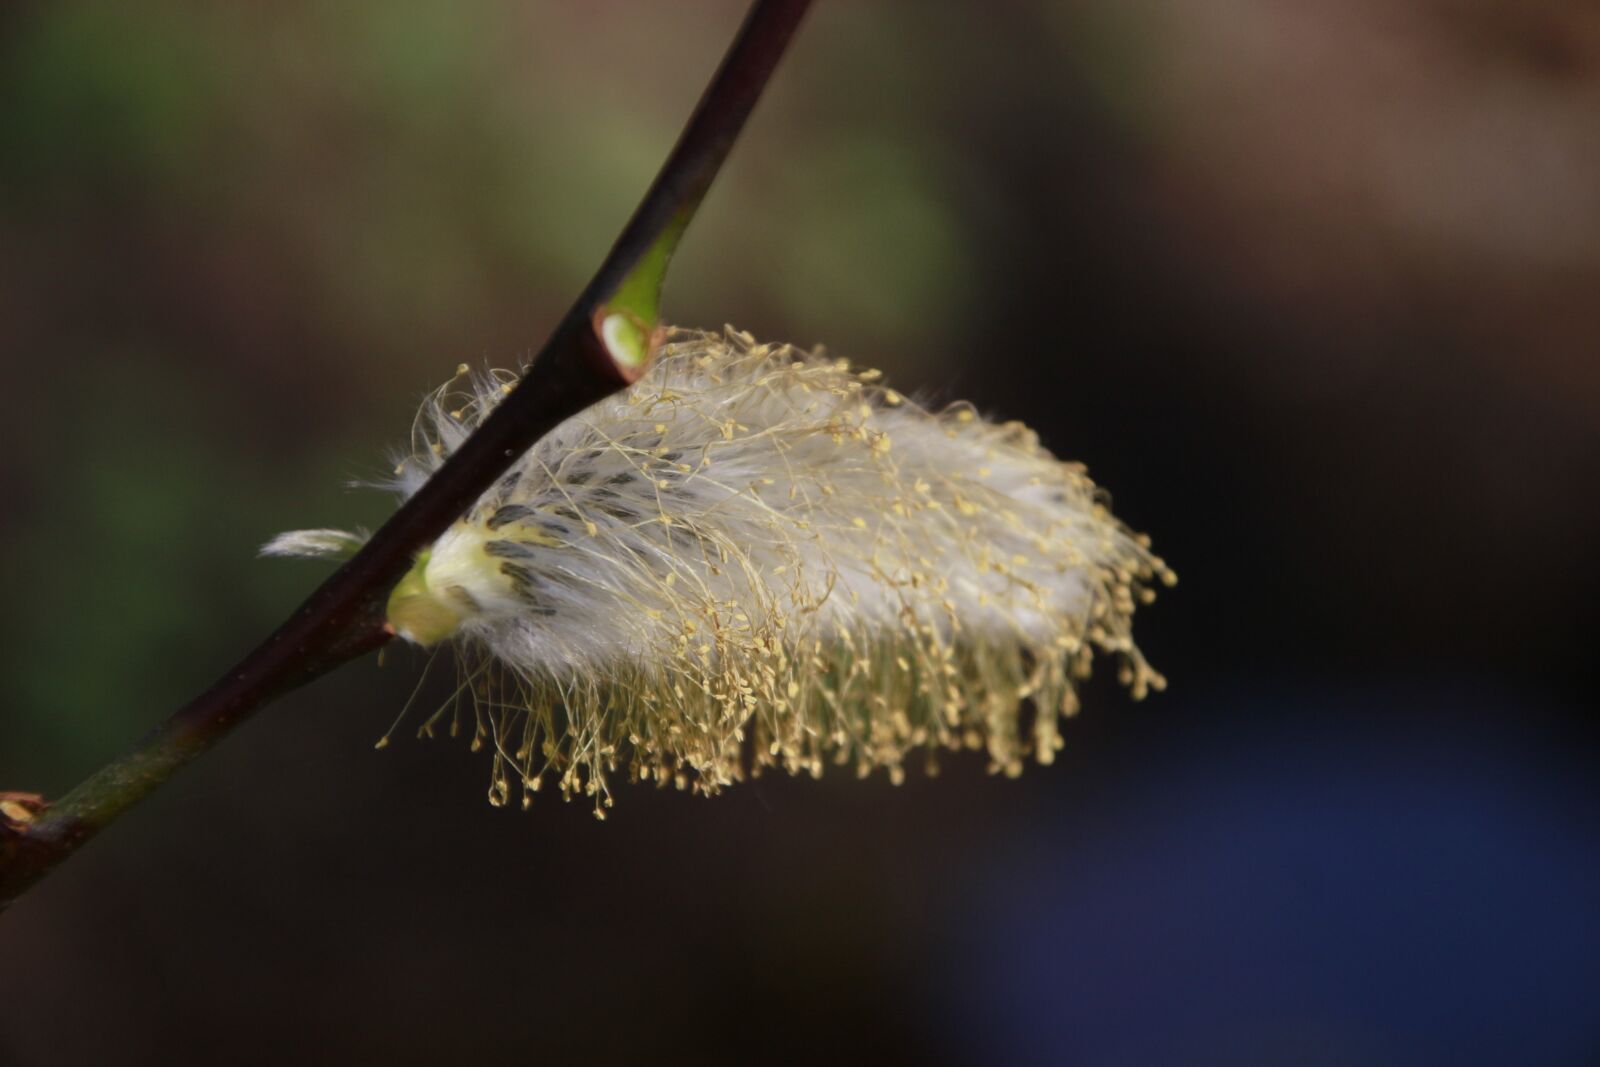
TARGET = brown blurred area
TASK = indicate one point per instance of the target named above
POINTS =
(1313, 288)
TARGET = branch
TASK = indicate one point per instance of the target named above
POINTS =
(601, 346)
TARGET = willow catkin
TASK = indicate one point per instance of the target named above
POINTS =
(757, 556)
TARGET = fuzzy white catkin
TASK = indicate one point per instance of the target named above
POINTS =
(757, 556)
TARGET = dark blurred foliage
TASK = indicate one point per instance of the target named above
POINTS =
(1311, 287)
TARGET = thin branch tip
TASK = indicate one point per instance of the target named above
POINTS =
(580, 364)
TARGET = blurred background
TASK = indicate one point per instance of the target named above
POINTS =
(1313, 288)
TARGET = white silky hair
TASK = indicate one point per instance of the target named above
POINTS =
(758, 556)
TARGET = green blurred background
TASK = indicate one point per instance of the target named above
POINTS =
(1312, 288)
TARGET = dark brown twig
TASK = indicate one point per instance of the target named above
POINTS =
(343, 618)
